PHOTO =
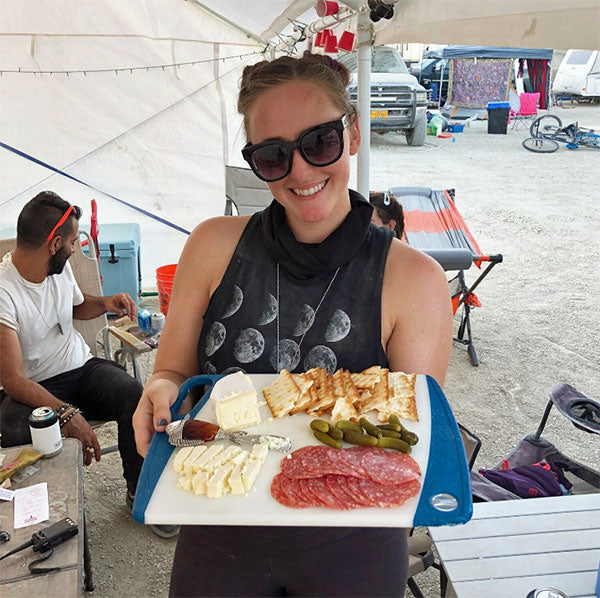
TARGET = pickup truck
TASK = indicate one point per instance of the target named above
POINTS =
(398, 102)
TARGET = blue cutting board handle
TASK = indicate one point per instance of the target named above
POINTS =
(447, 481)
(160, 450)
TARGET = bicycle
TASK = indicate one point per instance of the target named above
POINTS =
(546, 131)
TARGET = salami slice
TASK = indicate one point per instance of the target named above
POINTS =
(388, 468)
(316, 462)
(386, 496)
(352, 457)
(338, 464)
(295, 488)
(353, 488)
(321, 489)
(293, 466)
(337, 485)
(278, 492)
(309, 494)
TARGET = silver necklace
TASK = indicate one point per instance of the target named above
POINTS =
(297, 352)
(48, 282)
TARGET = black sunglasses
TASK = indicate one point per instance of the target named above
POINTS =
(319, 146)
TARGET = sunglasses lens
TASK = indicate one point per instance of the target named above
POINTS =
(271, 161)
(322, 146)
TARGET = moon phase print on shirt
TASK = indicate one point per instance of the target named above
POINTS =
(249, 345)
(321, 357)
(289, 355)
(237, 298)
(338, 326)
(209, 368)
(215, 338)
(270, 311)
(305, 320)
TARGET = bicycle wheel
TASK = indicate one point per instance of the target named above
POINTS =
(547, 125)
(590, 140)
(540, 145)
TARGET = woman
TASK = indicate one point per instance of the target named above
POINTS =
(387, 212)
(307, 282)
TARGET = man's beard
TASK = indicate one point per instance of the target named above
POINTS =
(57, 262)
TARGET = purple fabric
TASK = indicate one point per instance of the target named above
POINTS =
(530, 481)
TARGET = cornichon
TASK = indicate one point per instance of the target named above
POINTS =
(394, 420)
(392, 427)
(335, 432)
(370, 428)
(319, 425)
(391, 434)
(347, 424)
(409, 437)
(326, 439)
(359, 438)
(394, 443)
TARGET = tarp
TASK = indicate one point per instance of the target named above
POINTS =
(495, 52)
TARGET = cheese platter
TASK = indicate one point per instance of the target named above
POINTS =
(166, 496)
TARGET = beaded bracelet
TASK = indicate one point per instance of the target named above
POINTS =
(68, 417)
(63, 408)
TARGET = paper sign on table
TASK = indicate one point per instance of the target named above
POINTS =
(31, 505)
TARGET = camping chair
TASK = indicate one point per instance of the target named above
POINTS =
(245, 191)
(528, 105)
(433, 224)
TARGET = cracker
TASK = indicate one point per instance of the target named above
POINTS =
(403, 400)
(327, 397)
(350, 388)
(343, 409)
(338, 384)
(308, 394)
(281, 395)
(365, 381)
(379, 394)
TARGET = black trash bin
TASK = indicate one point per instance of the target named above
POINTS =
(498, 117)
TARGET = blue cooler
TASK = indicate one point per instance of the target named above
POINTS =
(498, 117)
(120, 259)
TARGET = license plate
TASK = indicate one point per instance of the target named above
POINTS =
(379, 113)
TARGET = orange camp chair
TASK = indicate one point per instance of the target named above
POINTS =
(433, 224)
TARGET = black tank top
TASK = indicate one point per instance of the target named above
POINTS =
(240, 324)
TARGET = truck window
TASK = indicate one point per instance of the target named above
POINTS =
(579, 57)
(382, 61)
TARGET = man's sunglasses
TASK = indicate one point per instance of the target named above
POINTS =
(319, 146)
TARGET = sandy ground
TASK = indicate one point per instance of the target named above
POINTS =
(538, 325)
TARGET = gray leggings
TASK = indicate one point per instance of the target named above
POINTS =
(296, 561)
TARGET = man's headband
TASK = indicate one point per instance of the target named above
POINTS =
(60, 223)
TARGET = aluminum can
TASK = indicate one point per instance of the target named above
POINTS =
(144, 321)
(45, 431)
(546, 593)
(158, 322)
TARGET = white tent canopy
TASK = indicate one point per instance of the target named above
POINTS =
(109, 111)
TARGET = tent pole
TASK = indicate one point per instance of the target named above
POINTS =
(365, 40)
(441, 85)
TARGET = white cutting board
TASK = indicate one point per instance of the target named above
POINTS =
(170, 504)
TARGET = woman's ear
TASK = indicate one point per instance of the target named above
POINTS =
(354, 133)
(392, 224)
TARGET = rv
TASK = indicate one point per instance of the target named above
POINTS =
(579, 74)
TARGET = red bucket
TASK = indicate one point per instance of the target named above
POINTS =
(164, 282)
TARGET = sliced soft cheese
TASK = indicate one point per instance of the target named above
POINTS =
(199, 482)
(217, 483)
(235, 402)
(182, 454)
(236, 483)
(185, 482)
(250, 471)
(187, 466)
(221, 458)
(260, 451)
(210, 453)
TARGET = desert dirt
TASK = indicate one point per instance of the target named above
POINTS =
(538, 325)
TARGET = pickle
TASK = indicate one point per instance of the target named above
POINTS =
(319, 425)
(359, 438)
(393, 427)
(392, 434)
(394, 443)
(394, 420)
(347, 424)
(335, 432)
(326, 439)
(370, 428)
(409, 437)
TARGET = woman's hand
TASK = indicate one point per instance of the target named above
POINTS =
(78, 427)
(153, 413)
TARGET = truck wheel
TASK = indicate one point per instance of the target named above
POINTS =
(416, 136)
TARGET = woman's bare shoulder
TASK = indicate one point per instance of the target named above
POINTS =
(412, 269)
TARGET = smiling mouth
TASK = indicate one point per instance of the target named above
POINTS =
(310, 191)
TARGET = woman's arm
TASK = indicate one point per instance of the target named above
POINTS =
(416, 313)
(201, 267)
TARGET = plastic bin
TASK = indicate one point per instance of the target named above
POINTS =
(120, 259)
(498, 117)
(456, 128)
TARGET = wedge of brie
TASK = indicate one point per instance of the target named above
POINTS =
(235, 402)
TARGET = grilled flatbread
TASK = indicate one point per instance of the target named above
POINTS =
(282, 394)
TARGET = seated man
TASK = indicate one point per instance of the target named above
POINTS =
(44, 361)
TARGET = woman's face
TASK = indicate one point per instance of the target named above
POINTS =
(310, 194)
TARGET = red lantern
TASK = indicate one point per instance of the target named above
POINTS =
(331, 44)
(326, 8)
(346, 41)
